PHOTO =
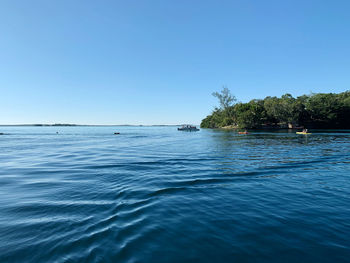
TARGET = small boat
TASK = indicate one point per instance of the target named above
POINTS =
(244, 132)
(187, 127)
(303, 133)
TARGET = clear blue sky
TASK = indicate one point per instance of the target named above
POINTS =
(157, 62)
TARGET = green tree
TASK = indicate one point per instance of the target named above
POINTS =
(323, 109)
(284, 110)
(226, 99)
(273, 110)
(249, 115)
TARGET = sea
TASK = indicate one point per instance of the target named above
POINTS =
(156, 194)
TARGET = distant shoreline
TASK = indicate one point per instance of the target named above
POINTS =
(87, 125)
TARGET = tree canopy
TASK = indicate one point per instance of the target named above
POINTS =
(318, 110)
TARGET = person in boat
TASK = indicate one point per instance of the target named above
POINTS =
(304, 130)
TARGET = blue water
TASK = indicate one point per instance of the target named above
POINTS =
(154, 194)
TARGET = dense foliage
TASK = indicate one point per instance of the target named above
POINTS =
(320, 110)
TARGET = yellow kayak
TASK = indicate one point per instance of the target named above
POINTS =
(303, 133)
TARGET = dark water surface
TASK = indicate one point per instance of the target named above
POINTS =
(153, 194)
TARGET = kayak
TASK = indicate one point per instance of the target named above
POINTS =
(303, 133)
(243, 132)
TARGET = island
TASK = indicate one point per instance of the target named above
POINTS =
(317, 110)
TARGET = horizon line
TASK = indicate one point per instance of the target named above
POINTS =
(73, 124)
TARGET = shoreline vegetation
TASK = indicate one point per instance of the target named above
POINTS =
(316, 111)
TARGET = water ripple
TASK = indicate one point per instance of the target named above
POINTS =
(154, 194)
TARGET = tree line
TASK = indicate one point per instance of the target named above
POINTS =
(318, 110)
